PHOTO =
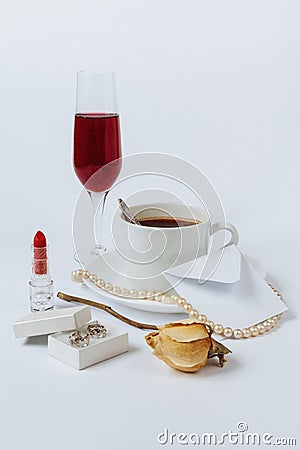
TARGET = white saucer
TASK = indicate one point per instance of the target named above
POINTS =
(112, 268)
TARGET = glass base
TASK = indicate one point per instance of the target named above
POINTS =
(41, 294)
(82, 256)
(39, 308)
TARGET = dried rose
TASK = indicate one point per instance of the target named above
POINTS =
(186, 345)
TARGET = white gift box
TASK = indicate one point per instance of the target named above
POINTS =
(47, 322)
(114, 343)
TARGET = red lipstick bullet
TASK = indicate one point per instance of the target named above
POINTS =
(41, 284)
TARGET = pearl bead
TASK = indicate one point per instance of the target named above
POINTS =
(163, 298)
(77, 276)
(193, 314)
(227, 331)
(174, 298)
(254, 331)
(149, 294)
(210, 324)
(167, 300)
(133, 293)
(218, 328)
(272, 322)
(202, 318)
(85, 274)
(125, 292)
(187, 307)
(237, 334)
(246, 333)
(93, 277)
(116, 290)
(142, 294)
(108, 286)
(157, 297)
(100, 283)
(181, 301)
(261, 328)
(267, 324)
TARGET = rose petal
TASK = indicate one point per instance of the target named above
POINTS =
(185, 332)
(184, 353)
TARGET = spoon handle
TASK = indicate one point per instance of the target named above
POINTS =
(127, 213)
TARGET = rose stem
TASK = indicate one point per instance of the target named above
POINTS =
(106, 308)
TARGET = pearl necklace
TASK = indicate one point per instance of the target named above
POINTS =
(80, 275)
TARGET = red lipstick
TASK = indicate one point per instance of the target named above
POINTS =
(39, 239)
(41, 285)
(40, 259)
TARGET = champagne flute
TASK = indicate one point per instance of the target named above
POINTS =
(97, 141)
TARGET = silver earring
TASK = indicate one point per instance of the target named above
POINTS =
(96, 330)
(76, 339)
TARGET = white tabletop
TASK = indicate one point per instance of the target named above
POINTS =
(130, 399)
(216, 83)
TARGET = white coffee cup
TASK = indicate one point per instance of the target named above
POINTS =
(162, 247)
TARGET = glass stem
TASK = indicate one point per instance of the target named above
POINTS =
(98, 200)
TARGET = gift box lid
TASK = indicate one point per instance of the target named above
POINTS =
(53, 321)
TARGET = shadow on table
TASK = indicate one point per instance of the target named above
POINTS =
(36, 340)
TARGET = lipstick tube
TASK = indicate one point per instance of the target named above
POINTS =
(40, 284)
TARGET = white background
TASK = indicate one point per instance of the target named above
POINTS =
(216, 83)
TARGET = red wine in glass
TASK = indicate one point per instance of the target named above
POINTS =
(97, 143)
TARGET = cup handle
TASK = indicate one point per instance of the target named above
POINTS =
(228, 226)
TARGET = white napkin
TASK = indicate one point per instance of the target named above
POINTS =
(227, 271)
(238, 305)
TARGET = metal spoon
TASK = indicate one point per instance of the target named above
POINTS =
(127, 213)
